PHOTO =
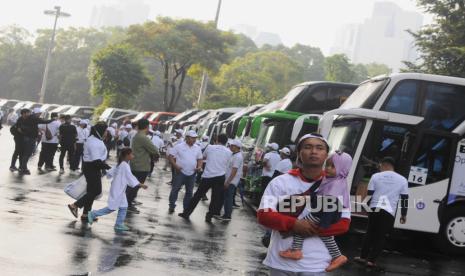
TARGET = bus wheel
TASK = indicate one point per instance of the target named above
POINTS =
(452, 236)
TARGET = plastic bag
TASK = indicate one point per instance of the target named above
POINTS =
(78, 188)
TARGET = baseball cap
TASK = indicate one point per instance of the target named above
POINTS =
(179, 131)
(272, 146)
(158, 133)
(191, 133)
(286, 151)
(114, 125)
(236, 142)
(128, 126)
(205, 138)
(313, 135)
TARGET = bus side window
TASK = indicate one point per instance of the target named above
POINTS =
(337, 96)
(404, 98)
(433, 154)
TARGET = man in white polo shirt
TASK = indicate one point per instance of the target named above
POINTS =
(233, 177)
(270, 160)
(217, 158)
(285, 164)
(312, 151)
(385, 189)
(186, 159)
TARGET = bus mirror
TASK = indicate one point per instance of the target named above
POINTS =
(298, 124)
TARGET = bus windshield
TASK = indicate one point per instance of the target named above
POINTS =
(345, 135)
(366, 95)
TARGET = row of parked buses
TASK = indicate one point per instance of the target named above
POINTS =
(417, 119)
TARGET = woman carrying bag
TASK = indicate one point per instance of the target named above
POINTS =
(95, 154)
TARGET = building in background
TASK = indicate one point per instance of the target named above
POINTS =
(121, 13)
(260, 38)
(383, 38)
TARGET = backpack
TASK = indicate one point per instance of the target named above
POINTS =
(48, 133)
(14, 130)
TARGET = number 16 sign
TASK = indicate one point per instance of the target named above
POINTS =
(418, 175)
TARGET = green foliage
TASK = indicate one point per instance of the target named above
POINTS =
(375, 69)
(441, 44)
(117, 74)
(255, 78)
(177, 45)
(339, 69)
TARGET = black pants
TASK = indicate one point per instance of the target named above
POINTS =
(131, 193)
(216, 202)
(28, 144)
(47, 154)
(78, 155)
(93, 177)
(70, 150)
(17, 152)
(379, 225)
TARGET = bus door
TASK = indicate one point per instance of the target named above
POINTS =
(429, 172)
(384, 139)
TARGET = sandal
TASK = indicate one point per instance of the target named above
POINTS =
(73, 210)
(360, 260)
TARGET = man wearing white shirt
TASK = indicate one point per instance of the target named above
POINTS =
(270, 160)
(312, 152)
(233, 177)
(285, 164)
(83, 133)
(386, 189)
(217, 158)
(186, 160)
(49, 144)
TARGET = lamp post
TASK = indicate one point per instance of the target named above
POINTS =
(203, 85)
(57, 13)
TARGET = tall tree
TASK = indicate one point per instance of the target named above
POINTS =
(258, 77)
(441, 44)
(338, 68)
(177, 45)
(117, 74)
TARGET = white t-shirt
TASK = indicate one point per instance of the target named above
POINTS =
(273, 159)
(387, 187)
(284, 166)
(216, 160)
(82, 134)
(237, 161)
(54, 130)
(316, 256)
(94, 149)
(111, 131)
(122, 177)
(157, 142)
(186, 157)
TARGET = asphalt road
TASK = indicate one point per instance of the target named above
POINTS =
(41, 237)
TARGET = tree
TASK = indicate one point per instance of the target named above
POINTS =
(339, 69)
(177, 45)
(258, 77)
(375, 69)
(311, 59)
(441, 44)
(117, 74)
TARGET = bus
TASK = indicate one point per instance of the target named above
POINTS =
(419, 120)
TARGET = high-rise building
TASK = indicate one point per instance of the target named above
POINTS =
(121, 13)
(383, 38)
(260, 38)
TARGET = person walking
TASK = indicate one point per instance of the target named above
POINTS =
(185, 159)
(155, 137)
(233, 177)
(270, 160)
(312, 151)
(16, 131)
(49, 143)
(143, 150)
(122, 179)
(68, 135)
(95, 154)
(217, 158)
(385, 189)
(82, 134)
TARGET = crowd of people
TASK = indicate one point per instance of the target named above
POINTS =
(302, 239)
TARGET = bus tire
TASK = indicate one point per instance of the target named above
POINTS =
(451, 238)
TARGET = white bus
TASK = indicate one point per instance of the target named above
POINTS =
(419, 120)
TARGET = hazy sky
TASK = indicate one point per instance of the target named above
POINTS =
(311, 22)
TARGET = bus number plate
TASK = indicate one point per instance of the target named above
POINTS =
(418, 175)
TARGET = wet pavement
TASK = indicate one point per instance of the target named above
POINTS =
(41, 237)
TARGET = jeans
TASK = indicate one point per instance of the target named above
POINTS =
(46, 154)
(17, 152)
(277, 272)
(179, 180)
(131, 193)
(228, 200)
(105, 211)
